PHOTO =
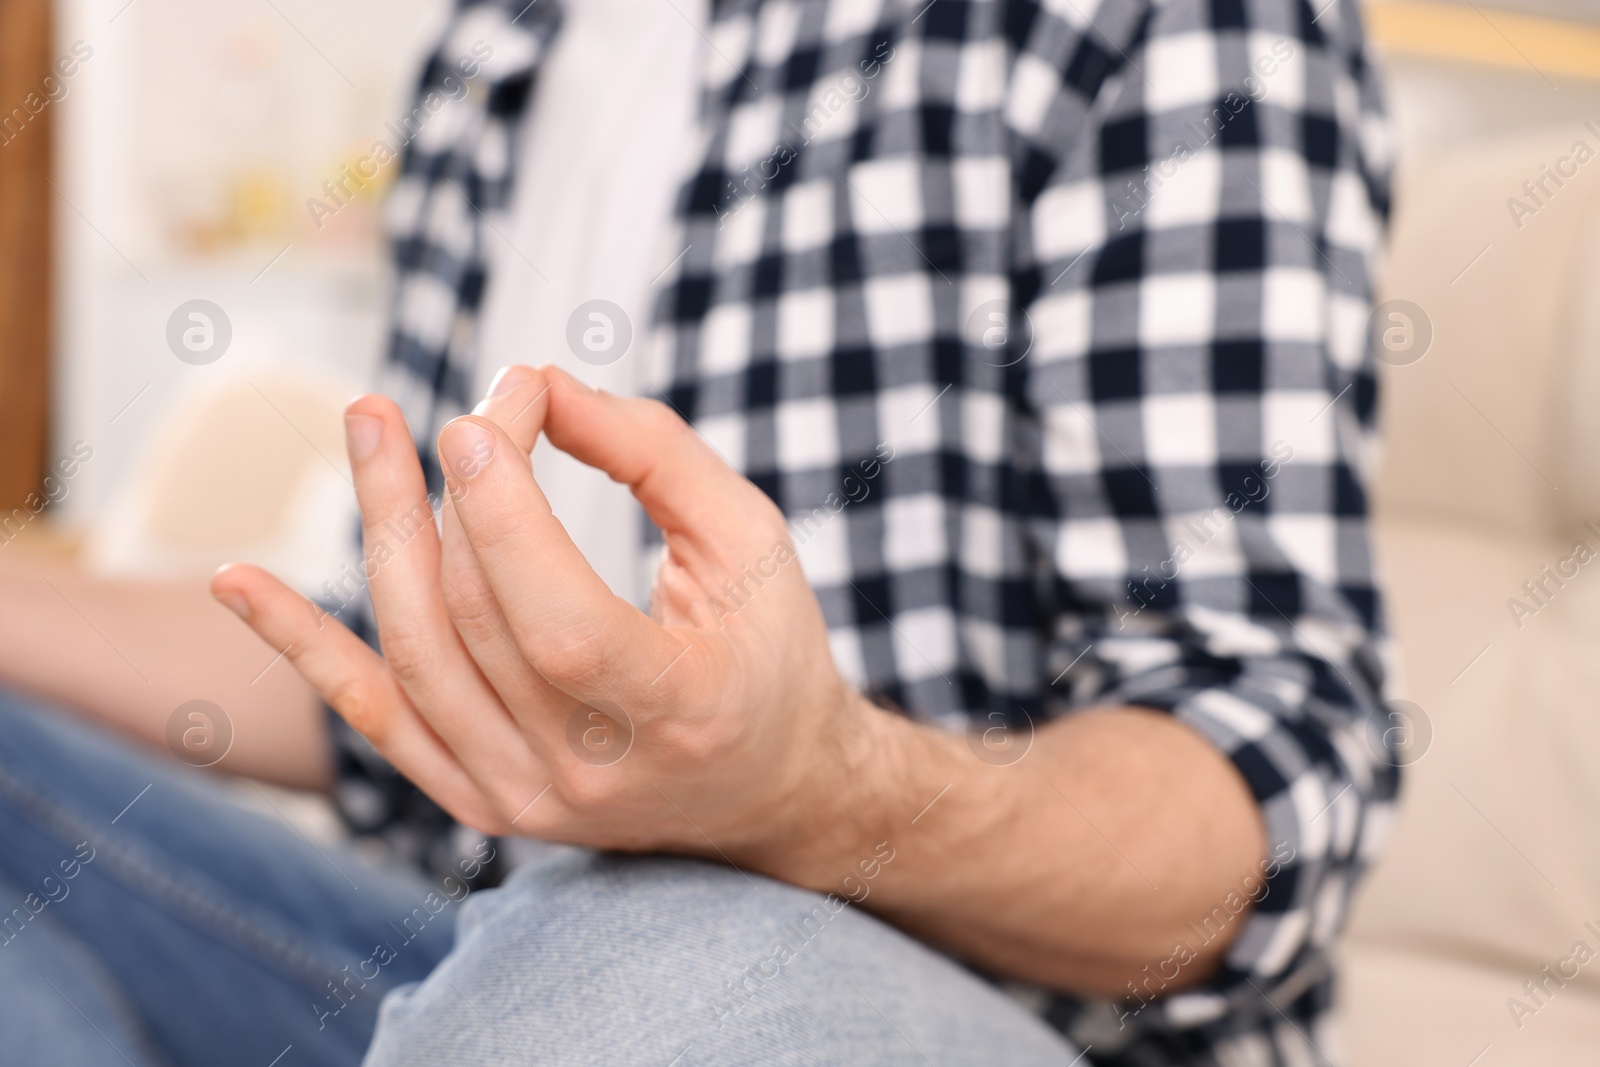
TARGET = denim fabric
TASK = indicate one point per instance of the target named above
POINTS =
(660, 962)
(196, 932)
(57, 1002)
(146, 919)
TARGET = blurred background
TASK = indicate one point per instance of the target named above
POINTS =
(174, 165)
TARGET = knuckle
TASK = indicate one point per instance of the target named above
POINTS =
(458, 601)
(477, 630)
(466, 597)
(492, 525)
(576, 655)
(412, 655)
(589, 788)
(352, 698)
(661, 420)
(702, 742)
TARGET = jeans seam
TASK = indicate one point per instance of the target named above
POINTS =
(204, 909)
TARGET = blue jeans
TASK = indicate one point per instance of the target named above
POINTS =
(146, 919)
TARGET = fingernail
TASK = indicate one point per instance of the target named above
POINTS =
(234, 603)
(362, 434)
(505, 380)
(466, 448)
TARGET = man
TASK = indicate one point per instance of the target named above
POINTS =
(1013, 605)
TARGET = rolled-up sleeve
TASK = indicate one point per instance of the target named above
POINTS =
(1205, 189)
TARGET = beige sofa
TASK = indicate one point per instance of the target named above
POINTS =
(1492, 469)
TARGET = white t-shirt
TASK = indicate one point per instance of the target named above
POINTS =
(604, 151)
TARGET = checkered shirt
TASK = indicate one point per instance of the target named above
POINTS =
(1045, 322)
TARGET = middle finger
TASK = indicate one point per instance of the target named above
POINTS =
(517, 402)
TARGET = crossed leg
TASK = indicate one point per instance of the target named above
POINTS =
(663, 962)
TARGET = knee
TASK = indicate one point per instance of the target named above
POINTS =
(553, 964)
(637, 960)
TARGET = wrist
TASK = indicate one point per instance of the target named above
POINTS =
(862, 788)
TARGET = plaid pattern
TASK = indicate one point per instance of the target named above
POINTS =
(1075, 296)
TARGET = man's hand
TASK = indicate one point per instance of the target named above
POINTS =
(524, 697)
(521, 694)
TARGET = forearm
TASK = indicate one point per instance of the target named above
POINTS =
(1075, 867)
(127, 654)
